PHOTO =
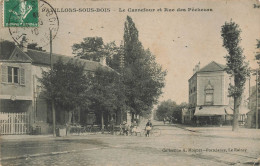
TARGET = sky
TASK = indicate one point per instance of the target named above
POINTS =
(178, 39)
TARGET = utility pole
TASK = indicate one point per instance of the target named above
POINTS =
(249, 100)
(52, 100)
(122, 65)
(256, 119)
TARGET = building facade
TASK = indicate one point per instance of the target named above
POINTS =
(209, 103)
(22, 107)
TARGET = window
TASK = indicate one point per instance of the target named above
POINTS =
(209, 91)
(13, 75)
(209, 98)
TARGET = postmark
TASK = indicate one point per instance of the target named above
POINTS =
(47, 21)
(20, 13)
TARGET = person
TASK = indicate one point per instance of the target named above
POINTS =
(125, 128)
(148, 128)
(164, 120)
(133, 127)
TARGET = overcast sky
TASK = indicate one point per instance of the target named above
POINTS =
(178, 39)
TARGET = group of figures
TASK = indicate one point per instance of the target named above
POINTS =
(134, 128)
(169, 119)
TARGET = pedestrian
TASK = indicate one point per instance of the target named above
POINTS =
(133, 127)
(148, 128)
(164, 120)
(125, 128)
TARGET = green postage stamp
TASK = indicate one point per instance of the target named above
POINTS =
(20, 13)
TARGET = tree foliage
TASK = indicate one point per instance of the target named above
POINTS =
(236, 65)
(143, 77)
(257, 56)
(104, 92)
(169, 109)
(34, 46)
(6, 49)
(67, 84)
(92, 48)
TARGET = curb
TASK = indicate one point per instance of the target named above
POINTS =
(49, 154)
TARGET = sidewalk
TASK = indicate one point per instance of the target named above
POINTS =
(224, 131)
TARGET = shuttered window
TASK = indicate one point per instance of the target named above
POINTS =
(12, 75)
(4, 76)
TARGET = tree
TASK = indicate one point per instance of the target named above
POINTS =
(170, 109)
(257, 56)
(33, 46)
(113, 54)
(236, 65)
(143, 78)
(67, 84)
(165, 109)
(6, 49)
(104, 93)
(92, 48)
(177, 112)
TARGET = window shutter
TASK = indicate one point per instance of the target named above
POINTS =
(4, 74)
(22, 76)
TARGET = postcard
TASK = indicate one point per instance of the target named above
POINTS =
(129, 82)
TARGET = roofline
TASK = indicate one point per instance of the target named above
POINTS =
(16, 47)
(14, 61)
(207, 71)
(61, 55)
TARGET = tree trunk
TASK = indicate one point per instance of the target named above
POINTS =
(70, 117)
(102, 122)
(236, 113)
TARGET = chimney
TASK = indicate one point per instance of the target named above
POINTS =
(103, 60)
(24, 44)
(198, 66)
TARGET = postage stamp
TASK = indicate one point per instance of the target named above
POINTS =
(20, 13)
(47, 20)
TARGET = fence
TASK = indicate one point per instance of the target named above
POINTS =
(14, 123)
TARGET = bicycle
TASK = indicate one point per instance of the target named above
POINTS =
(154, 132)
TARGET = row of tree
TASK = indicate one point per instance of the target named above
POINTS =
(134, 84)
(169, 109)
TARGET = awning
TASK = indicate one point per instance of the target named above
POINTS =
(218, 110)
(212, 110)
(243, 110)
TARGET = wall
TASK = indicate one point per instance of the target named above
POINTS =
(17, 91)
(220, 82)
(193, 90)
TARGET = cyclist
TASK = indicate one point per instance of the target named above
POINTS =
(148, 128)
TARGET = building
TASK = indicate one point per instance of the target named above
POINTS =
(22, 107)
(209, 103)
(251, 116)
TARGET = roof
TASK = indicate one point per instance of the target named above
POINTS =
(43, 58)
(211, 110)
(213, 66)
(218, 110)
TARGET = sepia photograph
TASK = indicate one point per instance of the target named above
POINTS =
(135, 83)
